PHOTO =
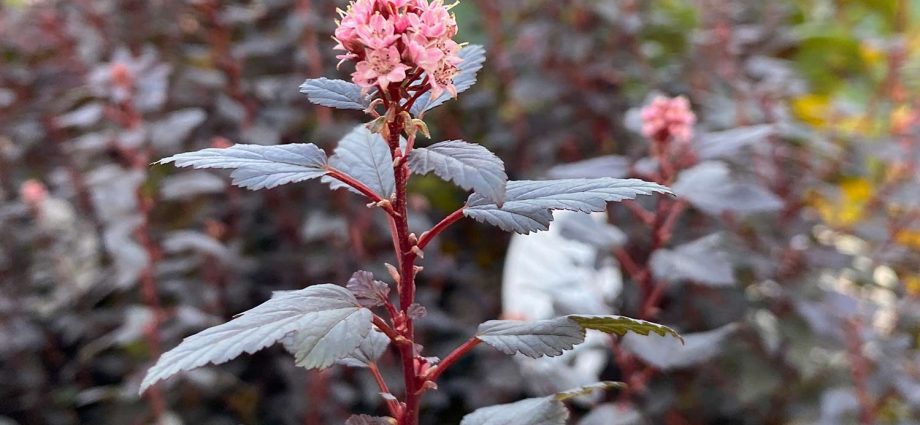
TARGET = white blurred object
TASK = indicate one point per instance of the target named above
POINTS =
(548, 275)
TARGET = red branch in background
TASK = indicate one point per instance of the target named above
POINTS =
(859, 370)
(126, 115)
(668, 124)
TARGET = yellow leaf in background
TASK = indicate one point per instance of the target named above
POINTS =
(854, 125)
(912, 285)
(817, 111)
(902, 118)
(857, 190)
(908, 238)
(14, 3)
(913, 41)
(872, 55)
(814, 109)
(850, 206)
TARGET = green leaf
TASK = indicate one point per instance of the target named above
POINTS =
(588, 389)
(554, 336)
(621, 325)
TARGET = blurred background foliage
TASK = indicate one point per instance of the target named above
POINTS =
(799, 281)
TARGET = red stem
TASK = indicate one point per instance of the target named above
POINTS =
(860, 372)
(426, 237)
(382, 383)
(662, 224)
(406, 260)
(317, 389)
(386, 329)
(632, 269)
(151, 298)
(452, 358)
(667, 227)
(660, 153)
(402, 333)
(641, 213)
(650, 306)
(408, 106)
(349, 180)
(361, 187)
(138, 160)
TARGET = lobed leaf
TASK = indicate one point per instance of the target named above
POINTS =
(335, 94)
(469, 165)
(321, 324)
(473, 56)
(369, 292)
(370, 349)
(259, 167)
(416, 311)
(529, 203)
(366, 157)
(533, 339)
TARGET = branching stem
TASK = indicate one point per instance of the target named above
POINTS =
(452, 358)
(426, 237)
(392, 405)
(361, 187)
(406, 263)
(386, 329)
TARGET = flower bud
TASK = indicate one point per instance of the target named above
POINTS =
(665, 118)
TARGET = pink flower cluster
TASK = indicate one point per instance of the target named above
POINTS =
(33, 193)
(664, 118)
(393, 39)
